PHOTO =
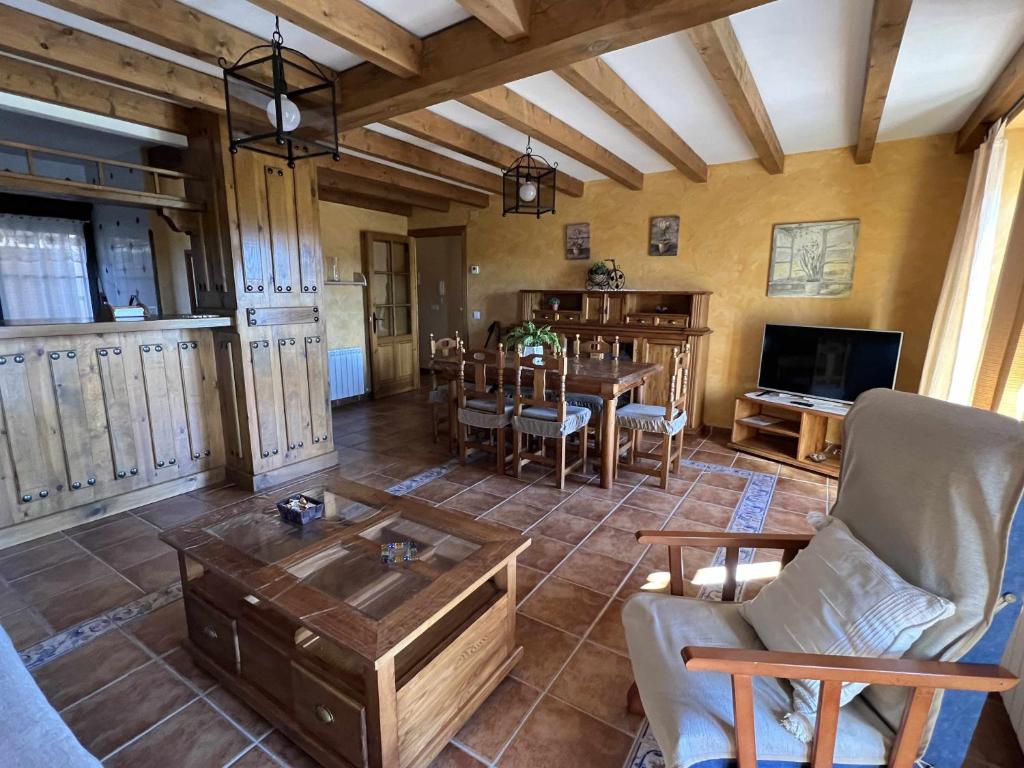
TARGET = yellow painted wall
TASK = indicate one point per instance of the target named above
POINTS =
(340, 226)
(908, 201)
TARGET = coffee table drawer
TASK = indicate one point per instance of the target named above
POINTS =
(336, 721)
(213, 632)
(264, 666)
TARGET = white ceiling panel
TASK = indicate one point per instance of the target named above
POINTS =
(388, 131)
(492, 129)
(670, 76)
(552, 94)
(952, 52)
(808, 58)
(421, 17)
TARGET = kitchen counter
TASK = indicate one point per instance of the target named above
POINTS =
(30, 330)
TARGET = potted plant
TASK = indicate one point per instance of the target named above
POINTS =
(532, 338)
(554, 302)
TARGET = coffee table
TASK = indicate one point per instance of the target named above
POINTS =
(360, 662)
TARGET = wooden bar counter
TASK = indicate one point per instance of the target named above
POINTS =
(102, 417)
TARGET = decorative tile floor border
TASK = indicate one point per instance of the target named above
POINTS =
(410, 484)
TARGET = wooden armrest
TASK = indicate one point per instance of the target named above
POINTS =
(705, 539)
(849, 669)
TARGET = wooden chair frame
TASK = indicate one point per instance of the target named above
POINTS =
(671, 445)
(923, 678)
(595, 348)
(443, 348)
(541, 366)
(481, 360)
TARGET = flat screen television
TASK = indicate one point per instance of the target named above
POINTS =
(828, 363)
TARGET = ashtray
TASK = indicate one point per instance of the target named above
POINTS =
(397, 552)
(300, 509)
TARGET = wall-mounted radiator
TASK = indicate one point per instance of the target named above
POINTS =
(347, 371)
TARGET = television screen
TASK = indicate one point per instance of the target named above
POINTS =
(830, 363)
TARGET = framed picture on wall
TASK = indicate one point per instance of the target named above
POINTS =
(813, 259)
(577, 241)
(664, 236)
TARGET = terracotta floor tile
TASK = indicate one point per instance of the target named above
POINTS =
(221, 496)
(59, 579)
(756, 465)
(633, 519)
(714, 495)
(90, 600)
(17, 549)
(784, 521)
(174, 511)
(565, 527)
(10, 601)
(98, 523)
(588, 506)
(181, 662)
(793, 503)
(688, 474)
(801, 488)
(256, 758)
(713, 457)
(198, 736)
(494, 723)
(516, 514)
(25, 628)
(596, 680)
(565, 605)
(377, 480)
(453, 757)
(437, 490)
(240, 712)
(467, 475)
(76, 674)
(40, 558)
(597, 572)
(615, 543)
(120, 712)
(545, 650)
(722, 480)
(474, 501)
(617, 492)
(543, 497)
(557, 734)
(544, 553)
(287, 751)
(156, 573)
(122, 530)
(653, 500)
(526, 579)
(133, 551)
(693, 510)
(501, 486)
(163, 629)
(795, 473)
(676, 486)
(608, 631)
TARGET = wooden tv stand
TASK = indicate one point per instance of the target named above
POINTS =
(798, 432)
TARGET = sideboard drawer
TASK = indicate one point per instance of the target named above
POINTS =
(548, 317)
(674, 321)
(336, 721)
(568, 317)
(213, 632)
(636, 319)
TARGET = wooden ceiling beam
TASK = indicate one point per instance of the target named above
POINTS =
(334, 181)
(717, 44)
(508, 107)
(888, 21)
(368, 169)
(1006, 91)
(169, 23)
(599, 83)
(386, 147)
(508, 18)
(34, 81)
(468, 57)
(33, 37)
(446, 133)
(358, 200)
(356, 28)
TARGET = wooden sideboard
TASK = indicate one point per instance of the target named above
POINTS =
(649, 324)
(102, 417)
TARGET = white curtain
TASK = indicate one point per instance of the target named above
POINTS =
(958, 331)
(43, 274)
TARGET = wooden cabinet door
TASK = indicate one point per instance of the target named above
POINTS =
(253, 227)
(593, 307)
(279, 197)
(389, 261)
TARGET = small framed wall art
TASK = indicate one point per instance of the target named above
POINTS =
(664, 236)
(577, 241)
(813, 259)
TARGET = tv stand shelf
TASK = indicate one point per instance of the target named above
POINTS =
(781, 431)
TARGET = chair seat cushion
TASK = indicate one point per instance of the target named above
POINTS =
(649, 418)
(438, 395)
(593, 403)
(543, 422)
(691, 712)
(484, 416)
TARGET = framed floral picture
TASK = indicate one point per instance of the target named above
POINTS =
(577, 241)
(664, 236)
(813, 259)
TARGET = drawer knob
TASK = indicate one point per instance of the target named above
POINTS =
(210, 632)
(323, 714)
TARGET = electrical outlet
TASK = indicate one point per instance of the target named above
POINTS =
(476, 314)
(474, 270)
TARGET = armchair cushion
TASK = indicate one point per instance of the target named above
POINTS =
(838, 598)
(691, 712)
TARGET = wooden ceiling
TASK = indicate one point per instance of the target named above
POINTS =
(470, 62)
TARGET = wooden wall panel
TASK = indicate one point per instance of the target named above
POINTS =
(295, 387)
(197, 423)
(232, 403)
(261, 359)
(120, 427)
(319, 392)
(252, 224)
(68, 387)
(279, 191)
(307, 216)
(158, 405)
(27, 432)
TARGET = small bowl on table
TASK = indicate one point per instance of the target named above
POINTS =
(300, 509)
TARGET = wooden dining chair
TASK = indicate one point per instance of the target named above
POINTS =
(667, 420)
(596, 348)
(482, 406)
(543, 412)
(439, 396)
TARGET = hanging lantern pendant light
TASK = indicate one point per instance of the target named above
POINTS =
(528, 185)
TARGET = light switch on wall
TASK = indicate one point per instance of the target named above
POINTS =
(476, 314)
(474, 270)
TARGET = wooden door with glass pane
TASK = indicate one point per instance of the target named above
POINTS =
(389, 262)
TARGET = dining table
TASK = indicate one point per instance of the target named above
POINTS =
(608, 378)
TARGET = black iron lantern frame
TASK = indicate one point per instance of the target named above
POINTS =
(271, 84)
(528, 185)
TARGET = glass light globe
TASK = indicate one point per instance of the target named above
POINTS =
(290, 115)
(528, 191)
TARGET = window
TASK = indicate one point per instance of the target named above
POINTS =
(44, 271)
